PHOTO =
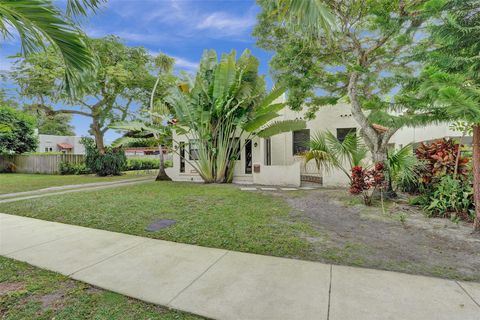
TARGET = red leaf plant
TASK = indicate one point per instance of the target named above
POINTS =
(367, 181)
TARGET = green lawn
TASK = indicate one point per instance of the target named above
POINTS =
(27, 292)
(17, 182)
(219, 216)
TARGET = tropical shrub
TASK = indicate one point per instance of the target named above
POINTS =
(73, 168)
(367, 181)
(145, 164)
(440, 159)
(404, 170)
(328, 152)
(226, 100)
(111, 162)
(451, 198)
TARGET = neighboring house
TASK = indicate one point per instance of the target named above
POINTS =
(65, 144)
(278, 160)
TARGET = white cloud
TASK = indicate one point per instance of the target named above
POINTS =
(226, 24)
(185, 64)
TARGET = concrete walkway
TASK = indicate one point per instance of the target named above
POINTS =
(52, 191)
(222, 284)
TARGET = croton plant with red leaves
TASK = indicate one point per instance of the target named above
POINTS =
(366, 181)
(440, 158)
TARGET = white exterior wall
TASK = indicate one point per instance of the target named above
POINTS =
(52, 141)
(285, 169)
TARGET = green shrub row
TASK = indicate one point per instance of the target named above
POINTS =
(145, 164)
(71, 168)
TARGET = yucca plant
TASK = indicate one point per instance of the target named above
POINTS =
(226, 100)
(39, 22)
(329, 153)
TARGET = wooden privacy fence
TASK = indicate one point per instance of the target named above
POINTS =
(48, 163)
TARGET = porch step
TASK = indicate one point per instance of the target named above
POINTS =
(311, 179)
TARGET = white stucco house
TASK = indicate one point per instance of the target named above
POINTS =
(65, 144)
(276, 160)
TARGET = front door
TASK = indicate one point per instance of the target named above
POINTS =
(248, 156)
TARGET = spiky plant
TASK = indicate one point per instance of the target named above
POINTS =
(330, 153)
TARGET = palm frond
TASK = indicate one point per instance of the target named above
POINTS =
(37, 21)
(312, 17)
(278, 127)
(82, 7)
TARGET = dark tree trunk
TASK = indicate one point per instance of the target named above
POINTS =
(98, 134)
(162, 175)
(476, 175)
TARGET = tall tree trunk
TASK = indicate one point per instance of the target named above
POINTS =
(476, 175)
(98, 134)
(162, 175)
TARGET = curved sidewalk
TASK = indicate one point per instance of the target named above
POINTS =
(223, 284)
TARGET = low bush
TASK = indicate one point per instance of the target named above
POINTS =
(112, 162)
(440, 159)
(451, 198)
(72, 168)
(367, 182)
(9, 167)
(145, 164)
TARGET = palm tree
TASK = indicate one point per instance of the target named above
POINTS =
(156, 129)
(329, 153)
(39, 22)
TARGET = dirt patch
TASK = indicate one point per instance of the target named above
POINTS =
(52, 300)
(403, 239)
(7, 287)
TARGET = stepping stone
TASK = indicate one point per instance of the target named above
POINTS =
(289, 189)
(269, 189)
(248, 189)
(160, 224)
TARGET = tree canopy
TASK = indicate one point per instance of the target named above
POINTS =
(122, 78)
(363, 65)
(17, 131)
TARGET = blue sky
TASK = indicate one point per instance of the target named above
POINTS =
(179, 28)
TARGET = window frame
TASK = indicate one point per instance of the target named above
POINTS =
(298, 149)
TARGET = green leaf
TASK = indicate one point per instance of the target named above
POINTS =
(278, 127)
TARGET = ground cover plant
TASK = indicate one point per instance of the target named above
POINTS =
(18, 182)
(27, 292)
(206, 215)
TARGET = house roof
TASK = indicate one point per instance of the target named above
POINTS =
(65, 145)
(379, 128)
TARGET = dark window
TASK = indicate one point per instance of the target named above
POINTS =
(248, 156)
(268, 152)
(301, 140)
(342, 133)
(193, 152)
(182, 156)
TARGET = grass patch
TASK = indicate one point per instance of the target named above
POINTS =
(27, 292)
(18, 182)
(219, 216)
